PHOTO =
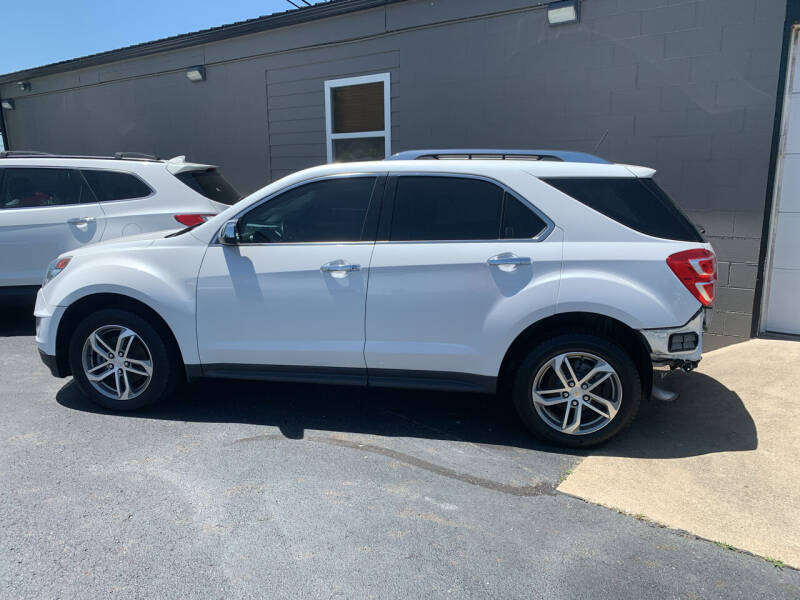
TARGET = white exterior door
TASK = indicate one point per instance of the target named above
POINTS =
(783, 266)
(293, 292)
(446, 290)
(43, 212)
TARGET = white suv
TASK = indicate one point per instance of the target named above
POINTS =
(557, 276)
(50, 204)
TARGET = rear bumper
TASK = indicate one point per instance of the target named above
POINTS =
(658, 340)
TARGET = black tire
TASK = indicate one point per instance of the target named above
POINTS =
(609, 351)
(166, 372)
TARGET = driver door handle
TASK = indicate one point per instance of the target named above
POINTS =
(80, 220)
(339, 267)
(509, 259)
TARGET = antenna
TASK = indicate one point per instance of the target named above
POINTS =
(600, 143)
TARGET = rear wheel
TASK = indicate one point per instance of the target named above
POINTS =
(577, 390)
(121, 361)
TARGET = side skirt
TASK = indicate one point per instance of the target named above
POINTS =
(396, 378)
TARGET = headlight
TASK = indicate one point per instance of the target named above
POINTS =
(55, 267)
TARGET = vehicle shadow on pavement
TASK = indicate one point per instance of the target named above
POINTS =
(707, 418)
(16, 317)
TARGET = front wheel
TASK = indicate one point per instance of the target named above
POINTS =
(577, 390)
(121, 361)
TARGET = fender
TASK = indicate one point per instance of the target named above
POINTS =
(167, 287)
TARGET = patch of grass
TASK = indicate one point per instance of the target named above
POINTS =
(724, 546)
(564, 476)
(778, 564)
(640, 516)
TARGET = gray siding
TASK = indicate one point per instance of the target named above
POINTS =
(687, 87)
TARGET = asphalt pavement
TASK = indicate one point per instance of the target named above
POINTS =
(252, 490)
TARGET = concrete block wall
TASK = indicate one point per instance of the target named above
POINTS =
(703, 105)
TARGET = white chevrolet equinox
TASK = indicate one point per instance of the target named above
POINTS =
(557, 276)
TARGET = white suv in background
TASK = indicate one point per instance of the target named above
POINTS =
(557, 276)
(50, 204)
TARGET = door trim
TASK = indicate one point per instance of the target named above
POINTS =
(394, 378)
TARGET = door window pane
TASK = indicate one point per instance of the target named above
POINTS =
(333, 210)
(519, 221)
(352, 149)
(357, 108)
(112, 185)
(30, 188)
(446, 208)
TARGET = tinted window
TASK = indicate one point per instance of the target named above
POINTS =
(29, 188)
(636, 203)
(519, 221)
(210, 184)
(333, 210)
(446, 208)
(111, 185)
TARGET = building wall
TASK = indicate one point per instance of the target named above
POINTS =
(687, 87)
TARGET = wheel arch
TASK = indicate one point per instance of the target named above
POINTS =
(580, 322)
(92, 302)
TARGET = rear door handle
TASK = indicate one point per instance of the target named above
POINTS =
(80, 220)
(339, 267)
(509, 259)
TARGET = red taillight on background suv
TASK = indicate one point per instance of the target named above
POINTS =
(697, 269)
(191, 220)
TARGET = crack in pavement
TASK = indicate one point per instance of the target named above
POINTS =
(540, 489)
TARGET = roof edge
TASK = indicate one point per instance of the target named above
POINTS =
(205, 36)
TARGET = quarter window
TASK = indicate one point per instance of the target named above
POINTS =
(112, 185)
(636, 203)
(332, 210)
(357, 118)
(31, 188)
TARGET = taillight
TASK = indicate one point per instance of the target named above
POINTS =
(697, 269)
(190, 220)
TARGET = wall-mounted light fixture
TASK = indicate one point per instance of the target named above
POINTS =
(564, 12)
(197, 73)
(7, 104)
(24, 86)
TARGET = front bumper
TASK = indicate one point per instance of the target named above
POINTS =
(658, 340)
(47, 320)
(51, 363)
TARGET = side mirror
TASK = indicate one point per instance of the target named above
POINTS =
(228, 235)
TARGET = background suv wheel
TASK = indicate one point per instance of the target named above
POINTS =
(577, 390)
(121, 361)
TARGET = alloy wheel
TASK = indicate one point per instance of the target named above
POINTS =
(117, 362)
(577, 393)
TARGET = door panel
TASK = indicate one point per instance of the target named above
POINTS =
(41, 217)
(293, 292)
(443, 307)
(273, 305)
(453, 306)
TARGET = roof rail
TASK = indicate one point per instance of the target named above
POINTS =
(495, 154)
(135, 156)
(23, 153)
(117, 156)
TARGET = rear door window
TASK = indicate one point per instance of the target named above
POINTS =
(36, 188)
(636, 203)
(113, 185)
(446, 208)
(211, 184)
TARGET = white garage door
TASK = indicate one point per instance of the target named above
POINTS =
(783, 282)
